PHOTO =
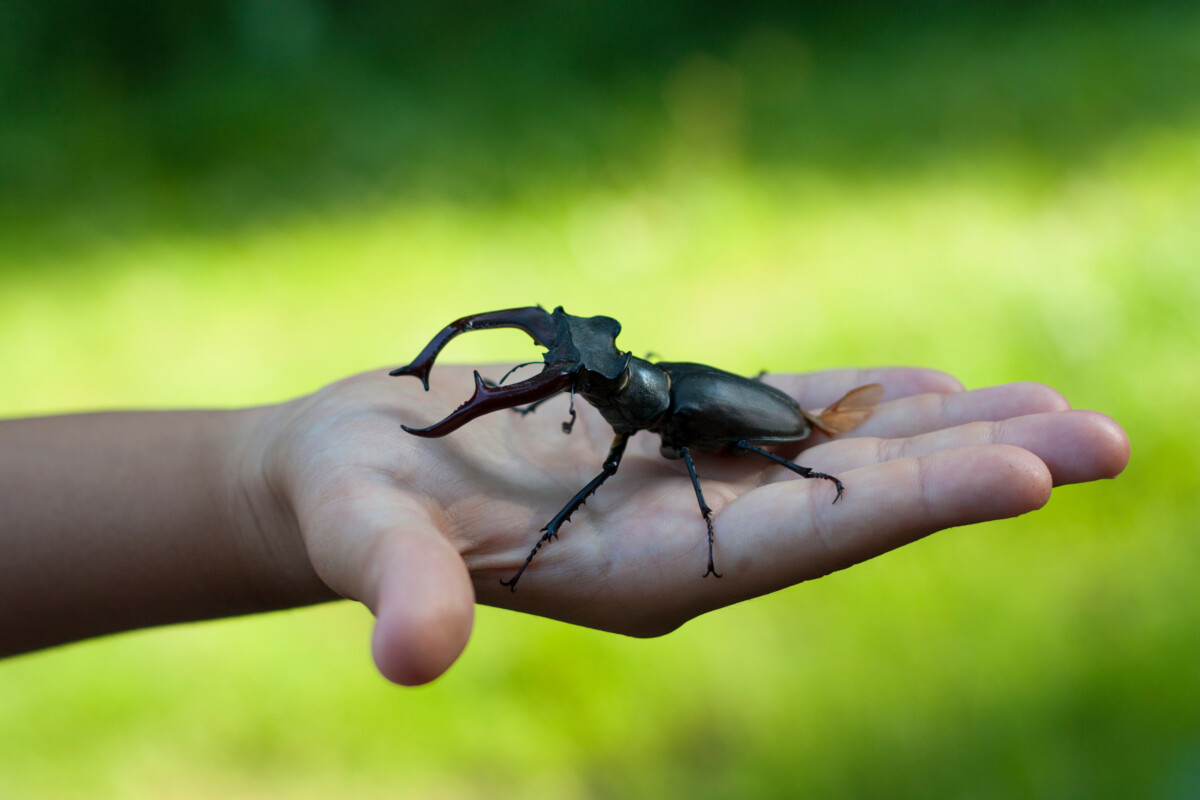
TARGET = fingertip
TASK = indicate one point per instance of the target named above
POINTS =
(1077, 446)
(1111, 445)
(1033, 482)
(988, 482)
(1039, 398)
(413, 652)
(900, 382)
(425, 615)
(942, 382)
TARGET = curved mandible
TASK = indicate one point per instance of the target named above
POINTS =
(534, 320)
(494, 398)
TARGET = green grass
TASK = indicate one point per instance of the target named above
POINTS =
(876, 209)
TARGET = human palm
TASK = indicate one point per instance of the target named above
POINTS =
(421, 529)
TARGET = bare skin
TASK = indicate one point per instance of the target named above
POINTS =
(111, 522)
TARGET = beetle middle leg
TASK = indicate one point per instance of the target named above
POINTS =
(803, 472)
(551, 530)
(704, 509)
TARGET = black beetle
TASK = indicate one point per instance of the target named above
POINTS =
(690, 406)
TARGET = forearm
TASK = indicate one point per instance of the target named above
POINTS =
(110, 522)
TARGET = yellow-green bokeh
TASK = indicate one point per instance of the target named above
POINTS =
(1036, 216)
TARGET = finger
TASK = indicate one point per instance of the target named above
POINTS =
(789, 532)
(424, 610)
(819, 389)
(913, 415)
(388, 555)
(1076, 446)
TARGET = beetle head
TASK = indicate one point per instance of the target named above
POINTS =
(587, 345)
(580, 351)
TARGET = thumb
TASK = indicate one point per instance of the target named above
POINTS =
(424, 606)
(378, 549)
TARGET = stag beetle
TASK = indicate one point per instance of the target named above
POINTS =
(692, 407)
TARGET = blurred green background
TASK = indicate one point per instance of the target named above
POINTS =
(239, 202)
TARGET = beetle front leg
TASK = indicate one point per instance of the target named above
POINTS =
(529, 409)
(522, 410)
(532, 407)
(704, 509)
(803, 472)
(566, 426)
(551, 530)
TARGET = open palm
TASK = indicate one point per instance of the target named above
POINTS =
(421, 529)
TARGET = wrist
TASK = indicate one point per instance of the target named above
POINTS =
(261, 513)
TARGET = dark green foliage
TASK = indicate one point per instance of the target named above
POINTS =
(219, 114)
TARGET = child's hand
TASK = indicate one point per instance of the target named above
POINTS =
(421, 529)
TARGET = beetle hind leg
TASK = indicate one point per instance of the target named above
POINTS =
(704, 509)
(803, 472)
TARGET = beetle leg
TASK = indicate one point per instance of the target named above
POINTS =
(523, 410)
(803, 472)
(569, 424)
(566, 426)
(529, 409)
(514, 369)
(551, 530)
(704, 509)
(488, 399)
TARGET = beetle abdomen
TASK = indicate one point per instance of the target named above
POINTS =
(712, 409)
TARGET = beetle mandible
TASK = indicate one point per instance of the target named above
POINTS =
(692, 407)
